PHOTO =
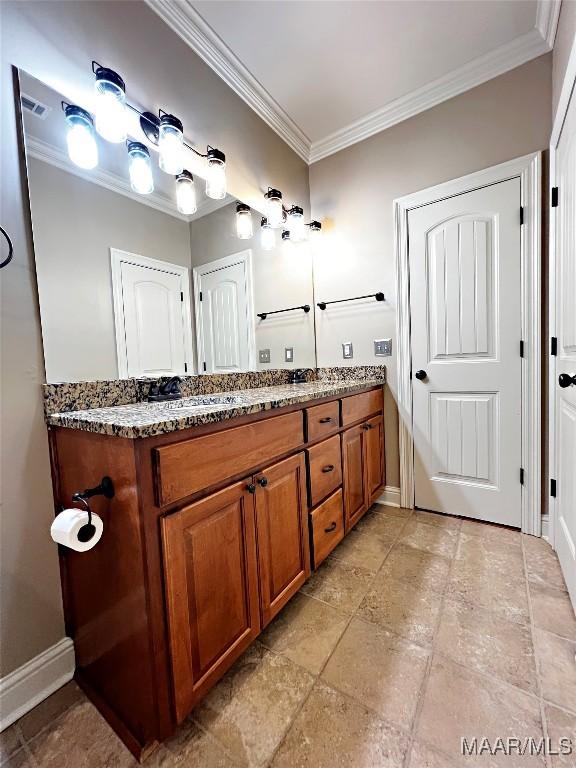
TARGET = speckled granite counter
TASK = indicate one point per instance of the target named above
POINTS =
(149, 419)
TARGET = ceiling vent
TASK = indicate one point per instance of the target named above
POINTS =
(34, 106)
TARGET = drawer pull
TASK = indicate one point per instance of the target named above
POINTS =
(251, 488)
(263, 482)
(325, 420)
(330, 528)
(367, 426)
(328, 468)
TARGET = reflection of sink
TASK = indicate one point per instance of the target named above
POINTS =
(201, 401)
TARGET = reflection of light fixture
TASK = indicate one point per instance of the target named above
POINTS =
(110, 104)
(81, 140)
(139, 168)
(186, 193)
(171, 144)
(267, 235)
(285, 234)
(315, 226)
(244, 228)
(274, 209)
(296, 223)
(216, 174)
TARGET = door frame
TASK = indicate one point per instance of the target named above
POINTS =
(203, 269)
(528, 170)
(119, 257)
(567, 92)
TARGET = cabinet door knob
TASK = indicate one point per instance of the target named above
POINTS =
(328, 468)
(251, 488)
(263, 481)
(330, 528)
(367, 426)
(565, 380)
(326, 420)
(421, 375)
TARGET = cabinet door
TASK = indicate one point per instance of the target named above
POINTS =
(355, 480)
(374, 456)
(282, 527)
(211, 576)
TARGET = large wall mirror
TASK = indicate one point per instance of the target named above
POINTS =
(131, 287)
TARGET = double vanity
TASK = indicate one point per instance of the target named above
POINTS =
(223, 506)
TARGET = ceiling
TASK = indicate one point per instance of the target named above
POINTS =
(326, 74)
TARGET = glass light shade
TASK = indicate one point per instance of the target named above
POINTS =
(171, 145)
(186, 193)
(216, 174)
(110, 106)
(274, 208)
(267, 236)
(296, 224)
(140, 168)
(244, 228)
(80, 138)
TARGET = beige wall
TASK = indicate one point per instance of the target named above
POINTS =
(55, 42)
(353, 192)
(565, 37)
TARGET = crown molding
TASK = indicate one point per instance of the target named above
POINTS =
(188, 24)
(474, 73)
(547, 15)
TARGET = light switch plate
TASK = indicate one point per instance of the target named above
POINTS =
(382, 347)
(264, 355)
(347, 350)
(289, 354)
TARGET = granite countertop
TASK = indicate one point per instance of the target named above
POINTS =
(149, 419)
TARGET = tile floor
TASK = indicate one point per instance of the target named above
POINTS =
(418, 630)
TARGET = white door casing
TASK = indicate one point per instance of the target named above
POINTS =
(151, 315)
(224, 306)
(528, 170)
(563, 328)
(465, 310)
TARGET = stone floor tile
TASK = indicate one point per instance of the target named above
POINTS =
(422, 569)
(364, 550)
(557, 664)
(341, 585)
(430, 538)
(552, 610)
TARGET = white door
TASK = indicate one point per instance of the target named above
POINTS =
(225, 314)
(465, 304)
(152, 316)
(565, 362)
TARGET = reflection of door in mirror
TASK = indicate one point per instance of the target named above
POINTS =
(151, 311)
(224, 314)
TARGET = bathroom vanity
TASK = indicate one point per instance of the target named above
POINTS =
(222, 508)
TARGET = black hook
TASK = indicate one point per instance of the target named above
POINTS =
(8, 259)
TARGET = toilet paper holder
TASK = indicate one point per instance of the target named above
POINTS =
(104, 488)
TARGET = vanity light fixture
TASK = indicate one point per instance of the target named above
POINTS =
(285, 234)
(80, 138)
(274, 207)
(171, 144)
(215, 174)
(315, 226)
(186, 193)
(267, 235)
(140, 168)
(296, 223)
(110, 107)
(244, 228)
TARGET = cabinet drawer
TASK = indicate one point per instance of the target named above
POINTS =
(327, 527)
(322, 420)
(324, 468)
(193, 465)
(357, 407)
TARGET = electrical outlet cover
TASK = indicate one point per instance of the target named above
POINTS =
(382, 347)
(289, 354)
(347, 350)
(264, 355)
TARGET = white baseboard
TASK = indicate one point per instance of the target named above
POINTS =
(390, 497)
(546, 527)
(27, 686)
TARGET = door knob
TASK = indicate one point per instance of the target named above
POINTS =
(251, 488)
(263, 482)
(565, 380)
(421, 375)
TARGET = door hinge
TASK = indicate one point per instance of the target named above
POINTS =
(521, 347)
(553, 345)
(204, 366)
(200, 297)
(521, 475)
(181, 295)
(552, 487)
(554, 201)
(185, 367)
(521, 215)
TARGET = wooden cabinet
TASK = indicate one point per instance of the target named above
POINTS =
(282, 529)
(211, 579)
(327, 522)
(324, 469)
(374, 457)
(322, 420)
(363, 467)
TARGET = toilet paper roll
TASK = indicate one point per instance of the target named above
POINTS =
(67, 529)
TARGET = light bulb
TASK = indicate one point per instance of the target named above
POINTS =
(110, 105)
(186, 193)
(171, 145)
(274, 210)
(244, 228)
(267, 235)
(140, 168)
(216, 174)
(296, 223)
(81, 140)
